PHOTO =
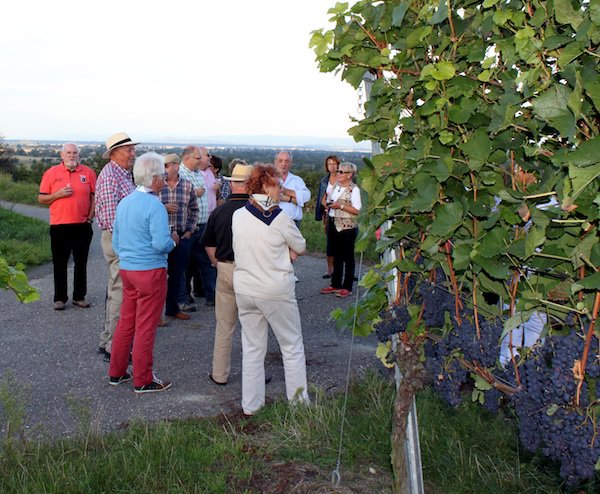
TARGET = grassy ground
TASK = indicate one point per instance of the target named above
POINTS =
(21, 192)
(315, 238)
(283, 449)
(23, 240)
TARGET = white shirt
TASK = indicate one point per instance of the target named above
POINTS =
(335, 191)
(295, 183)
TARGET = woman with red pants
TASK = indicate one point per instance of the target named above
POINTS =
(142, 240)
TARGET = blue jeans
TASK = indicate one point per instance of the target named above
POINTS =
(179, 258)
(207, 272)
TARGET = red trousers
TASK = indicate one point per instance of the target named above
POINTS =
(144, 295)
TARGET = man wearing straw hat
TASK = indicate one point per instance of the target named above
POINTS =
(114, 183)
(217, 240)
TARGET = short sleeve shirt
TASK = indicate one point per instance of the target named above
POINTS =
(75, 208)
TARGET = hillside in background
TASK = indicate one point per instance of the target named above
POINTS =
(26, 161)
(41, 154)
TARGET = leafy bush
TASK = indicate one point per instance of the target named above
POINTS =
(487, 116)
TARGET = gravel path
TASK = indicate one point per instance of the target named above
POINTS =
(53, 354)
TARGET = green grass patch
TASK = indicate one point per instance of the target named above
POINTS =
(464, 451)
(470, 450)
(21, 192)
(316, 242)
(313, 232)
(22, 239)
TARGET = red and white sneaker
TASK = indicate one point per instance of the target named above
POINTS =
(329, 289)
(343, 293)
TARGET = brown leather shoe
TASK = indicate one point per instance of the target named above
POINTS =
(182, 316)
(81, 303)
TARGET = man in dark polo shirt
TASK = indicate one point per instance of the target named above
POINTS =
(217, 240)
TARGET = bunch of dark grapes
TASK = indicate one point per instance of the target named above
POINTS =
(449, 380)
(483, 347)
(393, 320)
(549, 421)
(436, 302)
(462, 340)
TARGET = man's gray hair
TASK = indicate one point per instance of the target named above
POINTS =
(289, 153)
(146, 167)
(346, 165)
(64, 146)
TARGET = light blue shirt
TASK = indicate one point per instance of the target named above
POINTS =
(141, 236)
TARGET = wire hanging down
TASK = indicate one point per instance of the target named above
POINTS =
(336, 476)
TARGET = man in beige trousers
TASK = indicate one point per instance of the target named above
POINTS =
(114, 183)
(217, 240)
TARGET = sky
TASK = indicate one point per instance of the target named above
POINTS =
(167, 70)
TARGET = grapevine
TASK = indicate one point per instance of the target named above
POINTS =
(487, 115)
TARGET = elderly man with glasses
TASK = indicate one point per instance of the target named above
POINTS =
(192, 159)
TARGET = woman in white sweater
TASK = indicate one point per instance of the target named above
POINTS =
(265, 240)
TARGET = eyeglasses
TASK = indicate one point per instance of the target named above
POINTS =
(344, 171)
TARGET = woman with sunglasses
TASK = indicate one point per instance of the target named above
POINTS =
(344, 205)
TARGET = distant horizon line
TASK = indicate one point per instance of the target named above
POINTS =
(257, 141)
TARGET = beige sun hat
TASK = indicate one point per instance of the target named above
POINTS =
(116, 141)
(240, 173)
(171, 158)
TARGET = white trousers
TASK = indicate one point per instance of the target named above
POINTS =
(256, 315)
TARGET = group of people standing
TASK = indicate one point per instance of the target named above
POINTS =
(159, 215)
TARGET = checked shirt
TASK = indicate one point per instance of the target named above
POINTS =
(197, 181)
(113, 184)
(186, 217)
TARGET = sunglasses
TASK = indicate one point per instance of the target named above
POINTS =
(343, 171)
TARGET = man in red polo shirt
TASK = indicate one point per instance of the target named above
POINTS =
(68, 189)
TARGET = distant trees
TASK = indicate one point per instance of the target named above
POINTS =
(6, 164)
(27, 163)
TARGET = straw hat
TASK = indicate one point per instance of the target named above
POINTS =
(116, 141)
(171, 158)
(240, 173)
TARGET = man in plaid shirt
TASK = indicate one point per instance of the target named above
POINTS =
(113, 184)
(190, 170)
(179, 198)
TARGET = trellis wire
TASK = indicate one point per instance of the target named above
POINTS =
(336, 476)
